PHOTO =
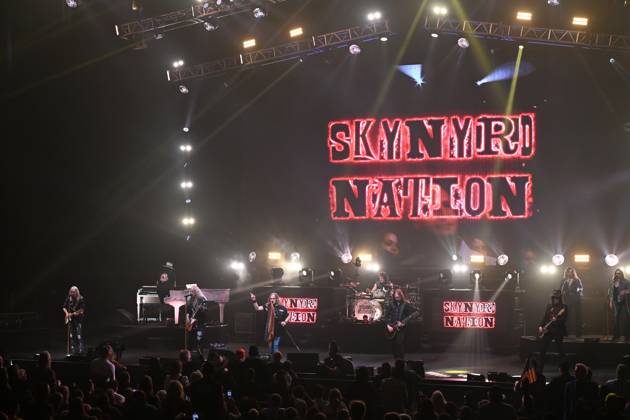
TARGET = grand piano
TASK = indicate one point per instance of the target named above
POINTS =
(147, 296)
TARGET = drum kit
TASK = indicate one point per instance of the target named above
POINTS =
(369, 306)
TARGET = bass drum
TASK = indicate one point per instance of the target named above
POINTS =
(367, 310)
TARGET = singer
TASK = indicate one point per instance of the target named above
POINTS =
(277, 315)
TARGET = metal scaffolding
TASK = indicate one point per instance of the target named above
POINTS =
(314, 45)
(518, 32)
(194, 15)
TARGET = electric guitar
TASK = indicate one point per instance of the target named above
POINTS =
(545, 329)
(190, 321)
(66, 316)
(391, 330)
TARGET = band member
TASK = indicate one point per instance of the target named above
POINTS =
(74, 311)
(382, 285)
(164, 285)
(276, 319)
(196, 309)
(397, 314)
(572, 290)
(553, 325)
(618, 301)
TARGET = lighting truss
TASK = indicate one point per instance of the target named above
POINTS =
(314, 45)
(194, 15)
(518, 32)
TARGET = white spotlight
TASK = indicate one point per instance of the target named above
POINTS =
(557, 259)
(373, 267)
(611, 260)
(346, 257)
(463, 43)
(295, 256)
(374, 16)
(252, 256)
(294, 266)
(434, 35)
(183, 89)
(611, 61)
(72, 3)
(502, 259)
(187, 221)
(186, 185)
(553, 2)
(237, 266)
(259, 13)
(440, 10)
(354, 49)
(185, 148)
(384, 39)
(454, 257)
(185, 129)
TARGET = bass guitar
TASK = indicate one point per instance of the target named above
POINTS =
(545, 329)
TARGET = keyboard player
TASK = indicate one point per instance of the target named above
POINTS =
(164, 286)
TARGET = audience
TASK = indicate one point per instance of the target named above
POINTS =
(230, 388)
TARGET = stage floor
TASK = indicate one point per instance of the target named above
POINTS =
(165, 342)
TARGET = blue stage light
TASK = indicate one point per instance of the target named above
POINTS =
(413, 71)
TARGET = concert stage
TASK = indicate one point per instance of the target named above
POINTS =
(594, 350)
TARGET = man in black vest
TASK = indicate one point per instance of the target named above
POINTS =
(397, 314)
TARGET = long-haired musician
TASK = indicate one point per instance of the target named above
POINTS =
(553, 327)
(572, 291)
(74, 311)
(618, 295)
(277, 315)
(397, 314)
(196, 308)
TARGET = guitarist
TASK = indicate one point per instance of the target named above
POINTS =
(553, 326)
(74, 311)
(196, 307)
(397, 314)
(618, 302)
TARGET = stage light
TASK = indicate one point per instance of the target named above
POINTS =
(188, 201)
(611, 61)
(277, 273)
(295, 256)
(185, 148)
(509, 276)
(237, 266)
(136, 5)
(460, 268)
(296, 32)
(440, 10)
(374, 16)
(249, 43)
(506, 72)
(384, 39)
(366, 257)
(520, 47)
(274, 256)
(252, 256)
(186, 185)
(580, 21)
(72, 3)
(434, 35)
(346, 257)
(502, 259)
(185, 129)
(611, 260)
(553, 2)
(259, 13)
(557, 259)
(582, 258)
(463, 43)
(548, 269)
(183, 89)
(454, 257)
(413, 71)
(520, 15)
(294, 266)
(218, 2)
(210, 26)
(477, 259)
(354, 49)
(178, 63)
(475, 277)
(306, 274)
(335, 275)
(373, 267)
(626, 270)
(188, 221)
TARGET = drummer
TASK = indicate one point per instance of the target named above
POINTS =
(382, 286)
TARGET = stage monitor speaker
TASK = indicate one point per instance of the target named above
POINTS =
(304, 362)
